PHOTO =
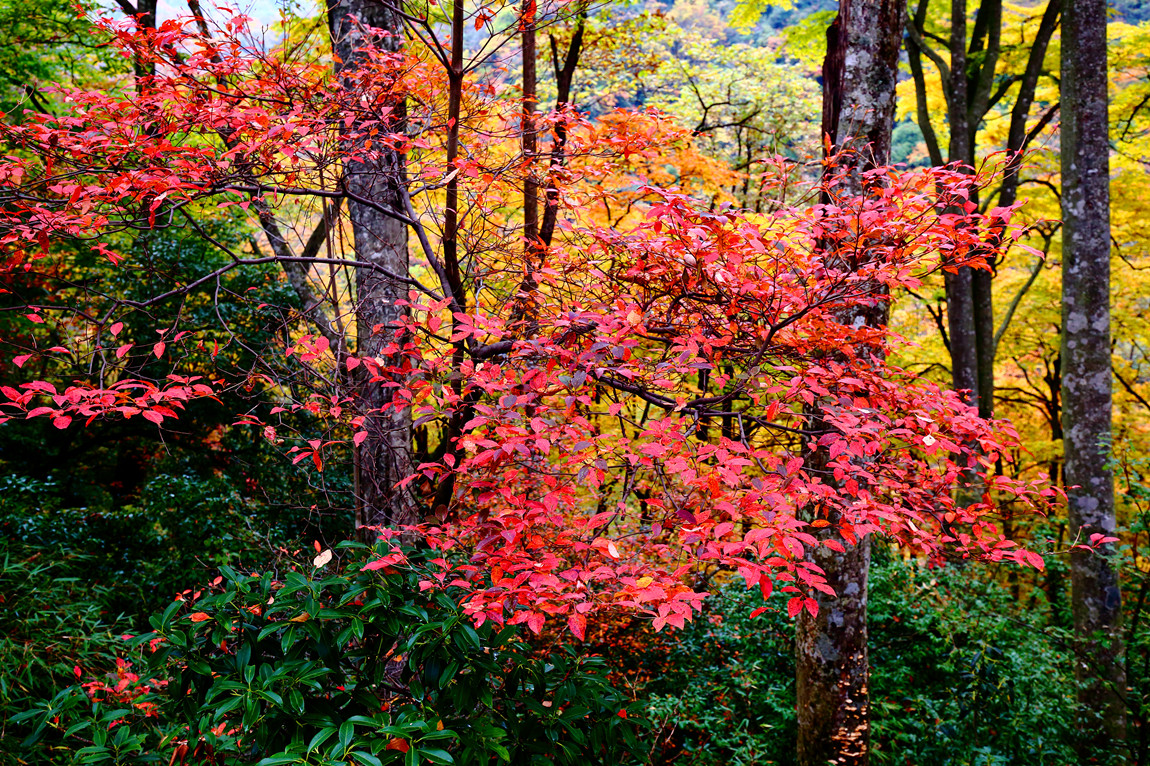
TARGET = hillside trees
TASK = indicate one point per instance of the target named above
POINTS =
(43, 43)
(607, 352)
(979, 72)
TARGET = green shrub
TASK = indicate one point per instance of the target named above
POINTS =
(180, 529)
(51, 625)
(961, 673)
(964, 674)
(333, 664)
(722, 690)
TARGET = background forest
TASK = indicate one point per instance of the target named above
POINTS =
(191, 448)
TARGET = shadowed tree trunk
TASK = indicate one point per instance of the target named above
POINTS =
(859, 76)
(960, 304)
(384, 457)
(144, 11)
(1086, 377)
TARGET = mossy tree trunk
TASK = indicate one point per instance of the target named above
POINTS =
(1086, 378)
(859, 76)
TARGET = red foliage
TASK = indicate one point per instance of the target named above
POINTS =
(124, 688)
(653, 420)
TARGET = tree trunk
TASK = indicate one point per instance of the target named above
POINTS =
(384, 457)
(859, 75)
(1086, 377)
(564, 78)
(960, 307)
(529, 138)
(833, 665)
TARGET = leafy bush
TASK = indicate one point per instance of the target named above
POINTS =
(325, 664)
(961, 673)
(182, 525)
(51, 624)
(723, 689)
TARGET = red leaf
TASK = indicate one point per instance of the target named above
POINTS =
(115, 329)
(158, 349)
(535, 622)
(578, 625)
(1034, 560)
(153, 416)
(398, 743)
(19, 360)
(758, 611)
(122, 350)
(794, 606)
(61, 422)
(359, 437)
(199, 616)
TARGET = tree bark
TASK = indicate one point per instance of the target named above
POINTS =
(384, 457)
(960, 305)
(529, 138)
(1086, 377)
(859, 75)
(833, 665)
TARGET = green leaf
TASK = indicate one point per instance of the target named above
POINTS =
(276, 760)
(243, 655)
(346, 734)
(322, 736)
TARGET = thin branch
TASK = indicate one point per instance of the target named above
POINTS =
(1034, 272)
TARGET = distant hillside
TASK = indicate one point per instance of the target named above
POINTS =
(1131, 11)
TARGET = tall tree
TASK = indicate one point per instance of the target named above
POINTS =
(1086, 376)
(378, 214)
(859, 78)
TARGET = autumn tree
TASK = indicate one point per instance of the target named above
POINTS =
(652, 432)
(1086, 375)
